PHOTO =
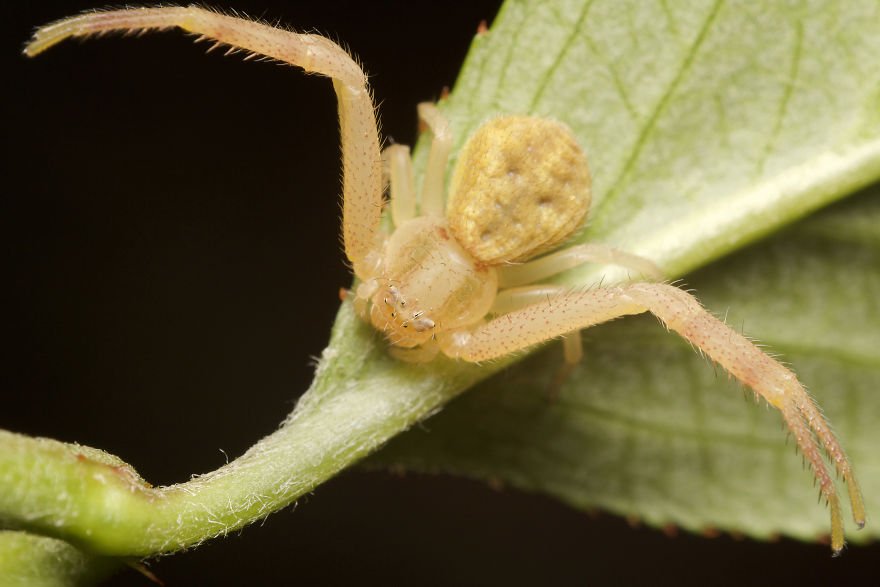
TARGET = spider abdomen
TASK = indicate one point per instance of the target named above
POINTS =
(521, 187)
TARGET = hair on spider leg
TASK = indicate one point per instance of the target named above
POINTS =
(726, 314)
(714, 366)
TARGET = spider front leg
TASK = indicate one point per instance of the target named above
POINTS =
(404, 203)
(541, 268)
(401, 181)
(362, 166)
(682, 313)
(433, 186)
(512, 299)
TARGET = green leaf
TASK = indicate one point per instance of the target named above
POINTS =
(36, 561)
(645, 427)
(708, 124)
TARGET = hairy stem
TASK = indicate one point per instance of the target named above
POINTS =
(96, 501)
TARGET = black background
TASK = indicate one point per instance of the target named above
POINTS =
(172, 257)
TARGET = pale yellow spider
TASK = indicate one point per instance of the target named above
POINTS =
(461, 283)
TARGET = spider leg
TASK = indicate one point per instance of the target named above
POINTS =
(362, 171)
(515, 298)
(512, 299)
(682, 313)
(570, 257)
(401, 183)
(433, 186)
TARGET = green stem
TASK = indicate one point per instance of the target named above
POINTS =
(357, 402)
(36, 561)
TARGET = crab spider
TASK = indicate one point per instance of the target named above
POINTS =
(458, 274)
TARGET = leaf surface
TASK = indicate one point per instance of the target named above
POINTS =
(648, 429)
(708, 125)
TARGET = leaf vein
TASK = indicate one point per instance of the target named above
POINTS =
(560, 57)
(659, 107)
(616, 80)
(506, 66)
(786, 98)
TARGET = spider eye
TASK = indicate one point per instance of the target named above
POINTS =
(423, 324)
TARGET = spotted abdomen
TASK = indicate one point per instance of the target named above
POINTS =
(520, 188)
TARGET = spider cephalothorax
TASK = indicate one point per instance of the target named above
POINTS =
(426, 284)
